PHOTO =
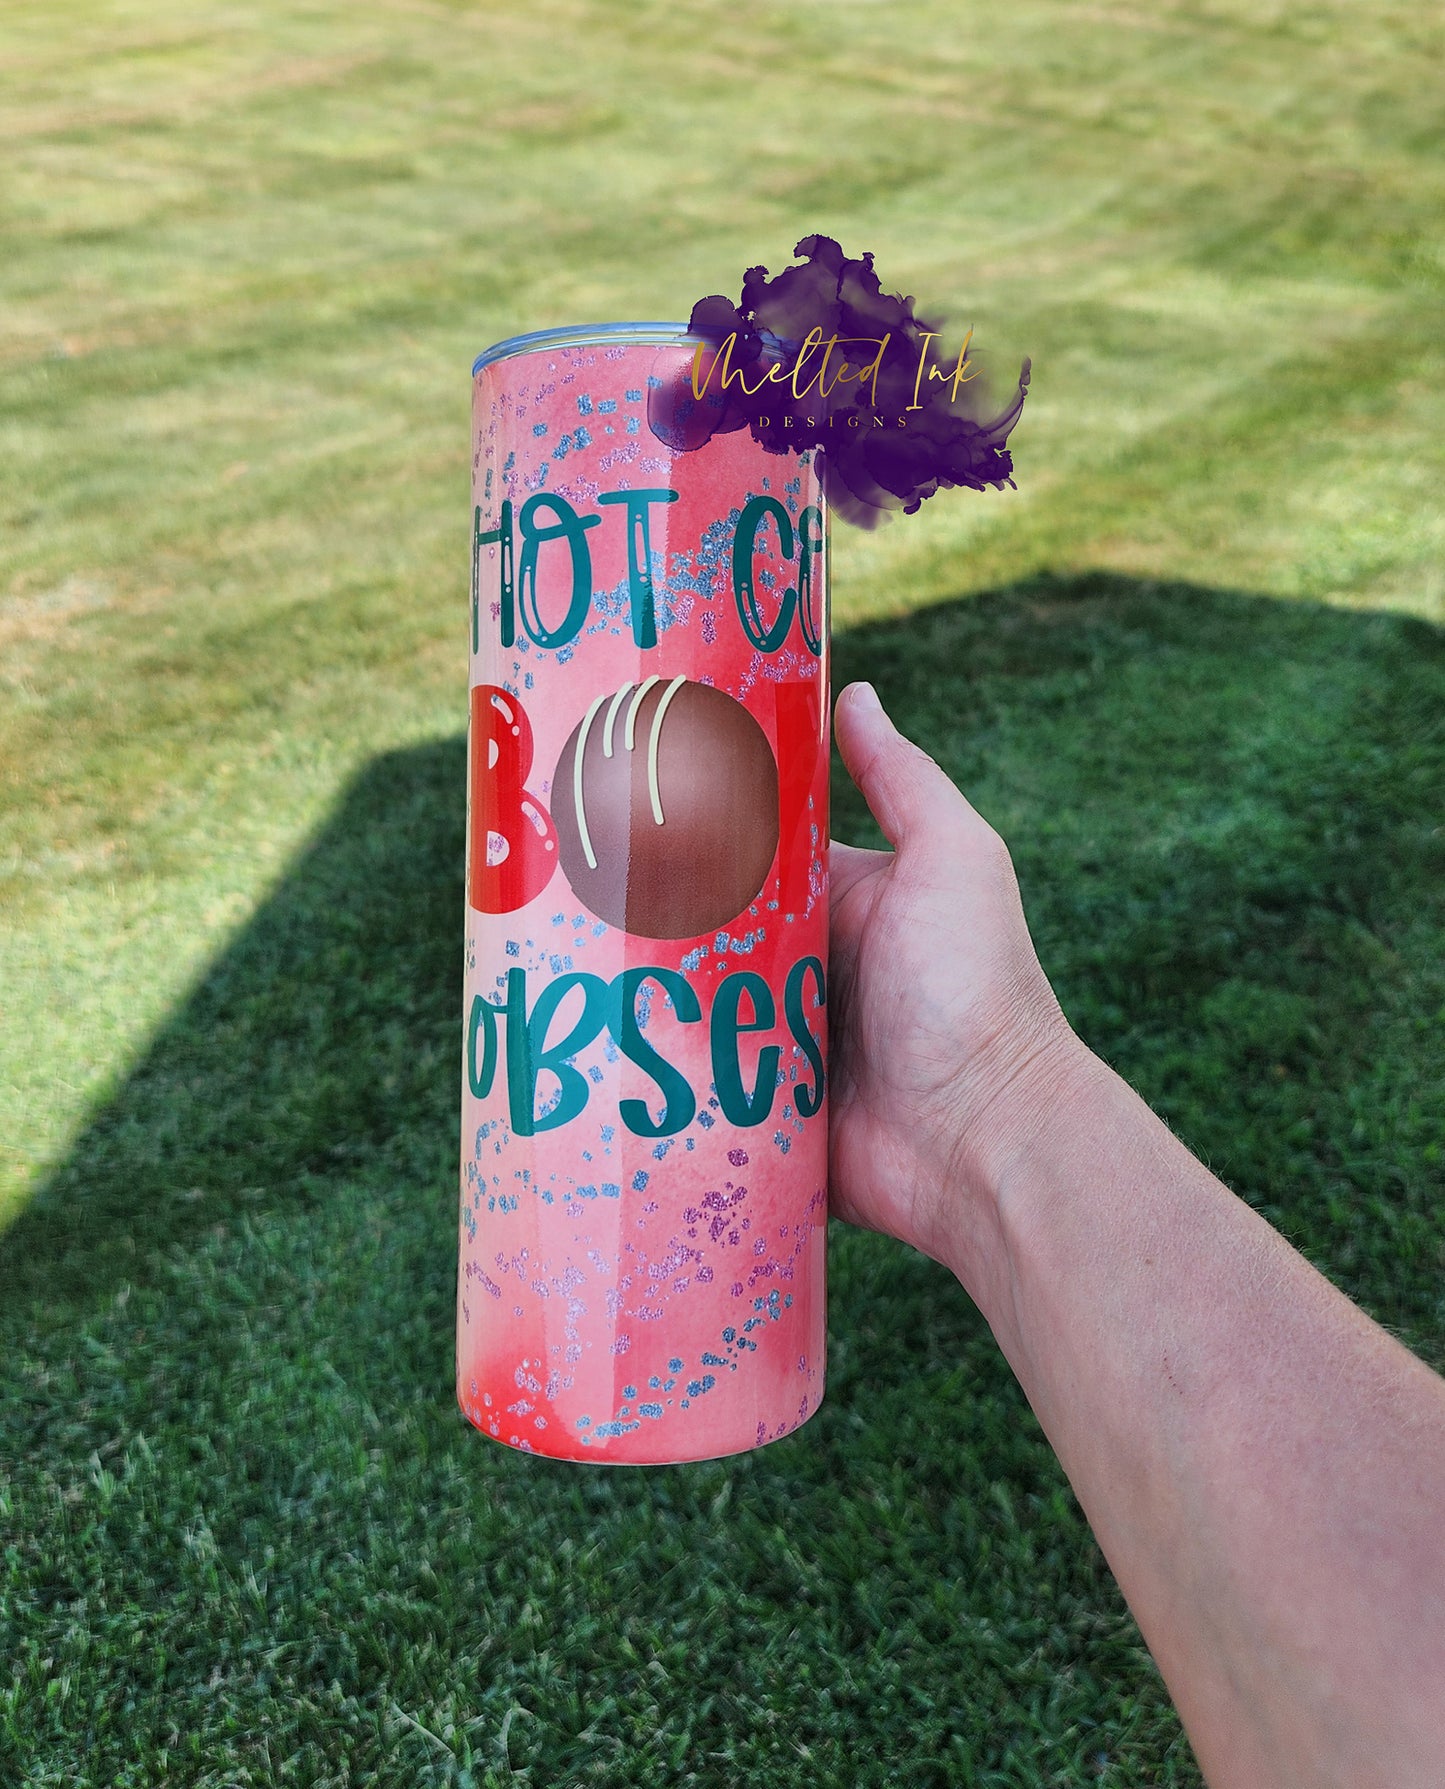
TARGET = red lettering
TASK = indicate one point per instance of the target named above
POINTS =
(513, 843)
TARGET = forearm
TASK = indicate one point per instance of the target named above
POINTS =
(1261, 1463)
(1263, 1466)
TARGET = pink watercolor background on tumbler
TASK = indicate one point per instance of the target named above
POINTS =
(641, 1276)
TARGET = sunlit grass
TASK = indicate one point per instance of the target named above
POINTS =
(249, 253)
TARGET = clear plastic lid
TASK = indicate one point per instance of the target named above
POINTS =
(583, 335)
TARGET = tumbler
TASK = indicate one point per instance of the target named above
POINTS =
(644, 1107)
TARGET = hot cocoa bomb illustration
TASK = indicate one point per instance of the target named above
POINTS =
(665, 800)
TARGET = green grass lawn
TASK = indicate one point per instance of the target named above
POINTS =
(1194, 668)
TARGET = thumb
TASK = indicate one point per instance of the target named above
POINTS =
(906, 791)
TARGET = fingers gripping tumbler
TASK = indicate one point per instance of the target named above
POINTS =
(644, 1135)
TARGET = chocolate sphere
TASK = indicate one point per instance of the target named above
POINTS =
(665, 800)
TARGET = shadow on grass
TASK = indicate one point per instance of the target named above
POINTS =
(1226, 816)
(243, 1502)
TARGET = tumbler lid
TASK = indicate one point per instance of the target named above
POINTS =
(583, 335)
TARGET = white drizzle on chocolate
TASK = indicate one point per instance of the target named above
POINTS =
(577, 800)
(653, 737)
(611, 720)
(629, 740)
(629, 732)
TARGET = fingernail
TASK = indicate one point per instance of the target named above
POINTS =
(863, 695)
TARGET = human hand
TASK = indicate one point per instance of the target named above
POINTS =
(1261, 1463)
(945, 1032)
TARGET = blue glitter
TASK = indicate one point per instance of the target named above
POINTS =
(671, 604)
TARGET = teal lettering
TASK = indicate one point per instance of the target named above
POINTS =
(739, 1106)
(810, 536)
(680, 1103)
(807, 1099)
(483, 1023)
(572, 528)
(742, 1004)
(529, 1055)
(642, 599)
(755, 512)
(501, 535)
